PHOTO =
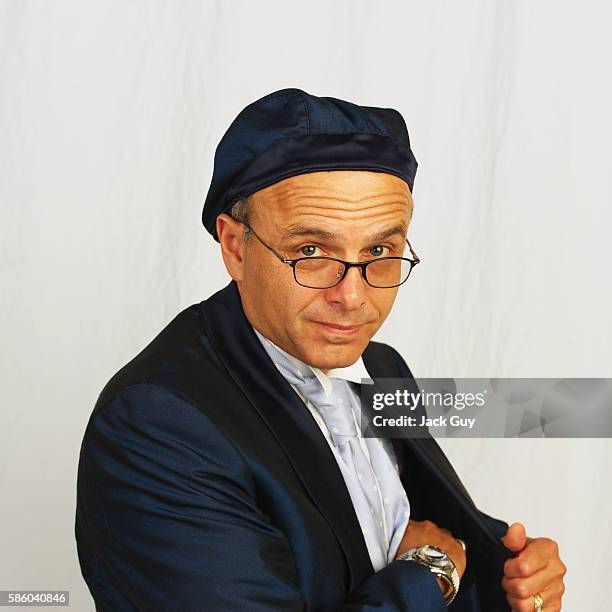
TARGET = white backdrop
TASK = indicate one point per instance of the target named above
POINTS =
(109, 116)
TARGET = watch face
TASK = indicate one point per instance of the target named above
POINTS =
(435, 556)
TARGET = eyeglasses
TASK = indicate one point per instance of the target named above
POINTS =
(321, 272)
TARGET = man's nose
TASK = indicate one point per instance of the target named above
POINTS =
(350, 291)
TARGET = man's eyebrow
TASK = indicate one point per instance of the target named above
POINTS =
(295, 231)
(400, 229)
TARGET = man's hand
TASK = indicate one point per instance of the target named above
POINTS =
(536, 569)
(422, 533)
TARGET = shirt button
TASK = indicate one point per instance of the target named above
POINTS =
(335, 429)
(339, 401)
(365, 532)
(359, 475)
(380, 523)
(375, 488)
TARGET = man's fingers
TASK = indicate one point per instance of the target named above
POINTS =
(551, 598)
(515, 538)
(539, 553)
(527, 605)
(522, 588)
(532, 559)
(520, 605)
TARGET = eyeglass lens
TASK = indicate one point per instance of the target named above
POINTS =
(325, 273)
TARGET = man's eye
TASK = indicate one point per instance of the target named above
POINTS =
(308, 250)
(378, 250)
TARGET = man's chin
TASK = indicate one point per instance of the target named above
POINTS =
(326, 356)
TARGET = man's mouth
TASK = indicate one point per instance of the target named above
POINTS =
(339, 328)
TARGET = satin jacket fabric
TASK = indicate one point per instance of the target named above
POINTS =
(204, 484)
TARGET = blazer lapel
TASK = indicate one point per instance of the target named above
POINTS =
(428, 453)
(289, 420)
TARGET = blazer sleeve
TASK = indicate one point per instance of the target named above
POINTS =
(166, 520)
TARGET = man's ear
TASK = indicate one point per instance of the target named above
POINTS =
(231, 239)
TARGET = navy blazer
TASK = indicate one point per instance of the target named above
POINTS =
(205, 484)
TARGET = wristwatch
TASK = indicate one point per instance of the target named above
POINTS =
(440, 565)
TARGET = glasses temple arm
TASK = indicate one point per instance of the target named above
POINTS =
(262, 242)
(416, 257)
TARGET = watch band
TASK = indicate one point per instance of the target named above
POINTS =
(441, 566)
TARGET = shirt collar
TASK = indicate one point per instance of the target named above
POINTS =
(354, 372)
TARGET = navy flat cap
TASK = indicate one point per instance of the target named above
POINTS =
(290, 132)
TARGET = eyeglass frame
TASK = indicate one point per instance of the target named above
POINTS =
(347, 264)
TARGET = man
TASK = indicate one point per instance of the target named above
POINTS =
(223, 469)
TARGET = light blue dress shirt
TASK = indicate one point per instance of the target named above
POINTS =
(368, 465)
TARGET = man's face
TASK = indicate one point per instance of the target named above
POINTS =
(291, 217)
